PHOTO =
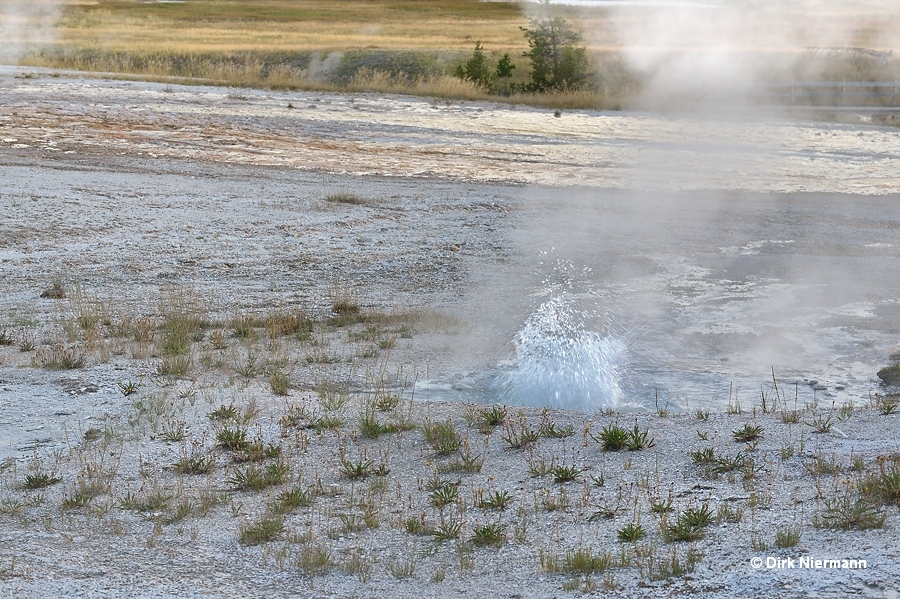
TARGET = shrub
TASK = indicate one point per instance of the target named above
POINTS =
(890, 375)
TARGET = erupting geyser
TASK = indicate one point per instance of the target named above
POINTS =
(561, 363)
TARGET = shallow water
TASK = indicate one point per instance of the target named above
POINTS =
(711, 293)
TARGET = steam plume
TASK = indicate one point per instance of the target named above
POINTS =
(25, 24)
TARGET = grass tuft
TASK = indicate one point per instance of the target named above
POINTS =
(156, 500)
(550, 430)
(886, 406)
(447, 531)
(496, 500)
(492, 417)
(565, 474)
(442, 436)
(748, 434)
(631, 532)
(279, 382)
(315, 560)
(615, 438)
(489, 534)
(233, 438)
(369, 426)
(353, 470)
(60, 357)
(264, 530)
(883, 486)
(39, 480)
(345, 198)
(195, 463)
(257, 478)
(292, 498)
(224, 413)
(848, 511)
(790, 416)
(821, 424)
(584, 561)
(444, 495)
(517, 434)
(787, 536)
(689, 526)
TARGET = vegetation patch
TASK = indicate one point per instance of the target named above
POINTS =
(264, 530)
(890, 375)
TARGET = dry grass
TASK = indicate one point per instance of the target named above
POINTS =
(283, 25)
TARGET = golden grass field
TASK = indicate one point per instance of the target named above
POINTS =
(291, 26)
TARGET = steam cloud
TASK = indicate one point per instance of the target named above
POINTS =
(690, 50)
(321, 67)
(25, 24)
(659, 250)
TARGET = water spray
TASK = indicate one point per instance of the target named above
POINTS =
(562, 362)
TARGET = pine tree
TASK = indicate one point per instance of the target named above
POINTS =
(504, 70)
(558, 61)
(476, 69)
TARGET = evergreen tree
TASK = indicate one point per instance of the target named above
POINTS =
(476, 69)
(504, 70)
(558, 61)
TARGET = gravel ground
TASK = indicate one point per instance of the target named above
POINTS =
(137, 196)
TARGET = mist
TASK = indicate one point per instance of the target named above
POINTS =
(716, 289)
(25, 25)
(697, 53)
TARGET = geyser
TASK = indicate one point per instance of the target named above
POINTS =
(562, 363)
